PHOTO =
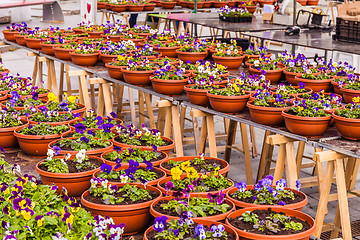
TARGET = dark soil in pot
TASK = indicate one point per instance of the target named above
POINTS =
(200, 167)
(297, 198)
(72, 169)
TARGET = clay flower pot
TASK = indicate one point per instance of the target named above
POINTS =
(35, 145)
(106, 58)
(274, 76)
(240, 204)
(75, 183)
(207, 4)
(251, 9)
(290, 77)
(313, 127)
(315, 85)
(138, 78)
(10, 35)
(192, 194)
(348, 94)
(222, 171)
(33, 43)
(270, 116)
(302, 2)
(7, 138)
(216, 218)
(168, 51)
(95, 35)
(123, 164)
(89, 59)
(118, 7)
(207, 223)
(149, 7)
(312, 2)
(49, 48)
(149, 183)
(135, 216)
(168, 5)
(255, 56)
(217, 4)
(136, 8)
(193, 57)
(20, 39)
(42, 96)
(336, 87)
(197, 96)
(166, 148)
(169, 87)
(229, 62)
(349, 128)
(228, 104)
(269, 2)
(298, 236)
(62, 53)
(101, 5)
(95, 152)
(115, 71)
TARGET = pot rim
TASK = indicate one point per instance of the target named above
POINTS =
(294, 117)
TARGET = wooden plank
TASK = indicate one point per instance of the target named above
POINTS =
(150, 111)
(299, 156)
(101, 106)
(280, 163)
(132, 106)
(326, 156)
(176, 131)
(141, 108)
(278, 139)
(247, 157)
(77, 73)
(253, 141)
(203, 136)
(263, 157)
(163, 103)
(107, 98)
(168, 122)
(196, 135)
(61, 85)
(97, 81)
(211, 135)
(84, 91)
(290, 165)
(68, 81)
(230, 139)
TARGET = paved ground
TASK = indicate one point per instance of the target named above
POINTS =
(17, 61)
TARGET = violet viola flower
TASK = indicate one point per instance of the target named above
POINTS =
(57, 150)
(220, 198)
(217, 230)
(160, 223)
(177, 195)
(149, 165)
(241, 186)
(80, 128)
(84, 139)
(105, 168)
(200, 231)
(169, 185)
(298, 185)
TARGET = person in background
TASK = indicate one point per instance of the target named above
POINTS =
(133, 18)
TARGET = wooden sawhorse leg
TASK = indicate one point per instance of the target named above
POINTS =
(52, 83)
(84, 96)
(105, 102)
(172, 124)
(38, 69)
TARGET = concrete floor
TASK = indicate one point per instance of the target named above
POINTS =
(17, 61)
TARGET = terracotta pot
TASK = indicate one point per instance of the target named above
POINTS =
(349, 128)
(192, 6)
(240, 204)
(251, 9)
(348, 94)
(149, 183)
(3, 73)
(7, 138)
(217, 4)
(312, 2)
(10, 35)
(302, 2)
(138, 78)
(269, 2)
(192, 194)
(62, 53)
(84, 59)
(118, 8)
(20, 39)
(217, 218)
(315, 85)
(207, 4)
(166, 148)
(274, 76)
(169, 87)
(168, 5)
(96, 152)
(75, 183)
(33, 43)
(49, 48)
(207, 223)
(155, 163)
(298, 236)
(95, 35)
(229, 62)
(51, 123)
(115, 71)
(73, 122)
(136, 8)
(149, 7)
(106, 58)
(228, 104)
(313, 127)
(197, 96)
(222, 171)
(193, 57)
(270, 116)
(101, 5)
(290, 77)
(135, 216)
(34, 145)
(42, 96)
(248, 56)
(79, 30)
(168, 51)
(336, 87)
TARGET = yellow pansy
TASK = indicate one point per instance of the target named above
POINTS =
(356, 99)
(33, 185)
(185, 165)
(40, 222)
(52, 97)
(70, 219)
(192, 173)
(300, 108)
(121, 58)
(26, 214)
(71, 99)
(176, 173)
(203, 176)
(216, 171)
